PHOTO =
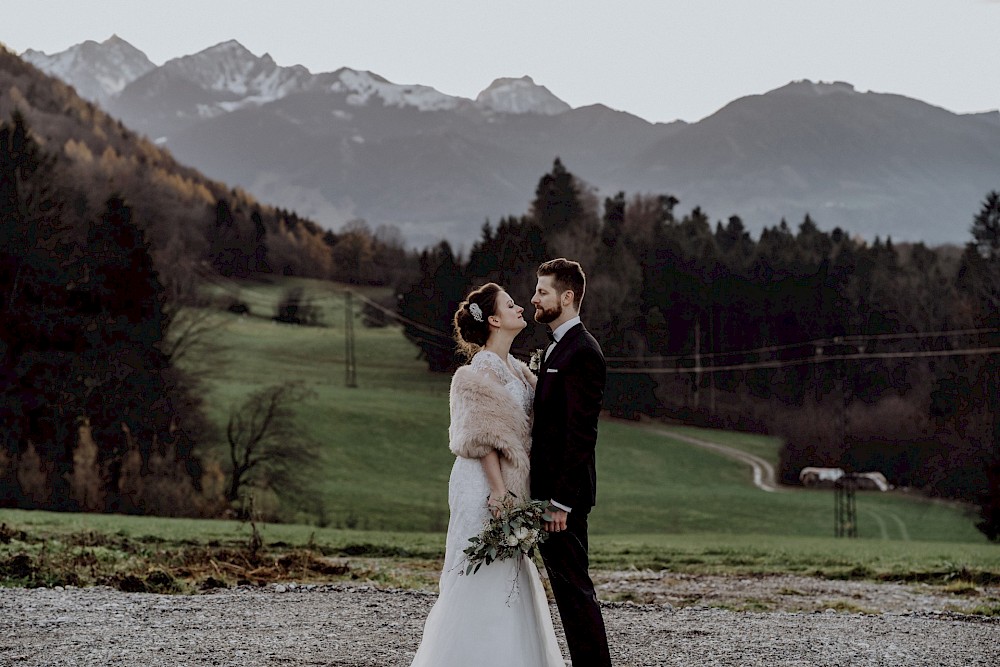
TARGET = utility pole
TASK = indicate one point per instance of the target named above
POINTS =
(350, 363)
(844, 506)
(697, 360)
(712, 352)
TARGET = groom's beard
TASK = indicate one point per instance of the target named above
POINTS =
(546, 315)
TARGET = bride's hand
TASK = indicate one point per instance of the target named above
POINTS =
(496, 502)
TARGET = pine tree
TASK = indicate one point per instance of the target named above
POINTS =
(614, 220)
(484, 260)
(986, 228)
(230, 247)
(260, 264)
(35, 333)
(430, 305)
(557, 204)
(126, 372)
(30, 212)
(986, 285)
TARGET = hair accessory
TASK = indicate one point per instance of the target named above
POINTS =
(477, 312)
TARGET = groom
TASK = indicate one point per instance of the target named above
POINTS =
(564, 434)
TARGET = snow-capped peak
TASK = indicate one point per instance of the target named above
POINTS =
(519, 96)
(362, 86)
(97, 71)
(235, 78)
(816, 89)
(230, 68)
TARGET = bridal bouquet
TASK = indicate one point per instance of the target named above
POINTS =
(516, 530)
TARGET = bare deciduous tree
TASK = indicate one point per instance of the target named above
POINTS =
(266, 448)
(188, 330)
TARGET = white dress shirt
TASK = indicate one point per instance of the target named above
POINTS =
(560, 332)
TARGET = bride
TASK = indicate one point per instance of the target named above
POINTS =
(499, 615)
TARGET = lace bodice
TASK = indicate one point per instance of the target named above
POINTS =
(490, 362)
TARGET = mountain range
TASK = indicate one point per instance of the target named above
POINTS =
(349, 144)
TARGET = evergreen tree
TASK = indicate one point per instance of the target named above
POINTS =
(260, 264)
(614, 308)
(484, 257)
(31, 228)
(984, 281)
(557, 206)
(230, 248)
(430, 304)
(986, 228)
(128, 390)
(35, 335)
(657, 257)
(614, 220)
(733, 239)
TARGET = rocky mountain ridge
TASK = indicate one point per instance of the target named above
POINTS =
(350, 144)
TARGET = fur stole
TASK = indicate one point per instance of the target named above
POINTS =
(485, 416)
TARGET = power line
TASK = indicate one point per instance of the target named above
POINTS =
(920, 334)
(405, 320)
(817, 342)
(234, 288)
(446, 341)
(752, 365)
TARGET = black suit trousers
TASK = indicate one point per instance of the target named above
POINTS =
(567, 562)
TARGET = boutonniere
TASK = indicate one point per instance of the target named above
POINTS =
(536, 360)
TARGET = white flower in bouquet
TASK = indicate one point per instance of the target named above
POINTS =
(515, 531)
(535, 362)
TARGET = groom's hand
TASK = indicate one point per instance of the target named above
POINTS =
(558, 522)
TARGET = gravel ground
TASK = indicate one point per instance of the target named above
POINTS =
(352, 625)
(789, 593)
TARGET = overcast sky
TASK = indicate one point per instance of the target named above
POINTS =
(659, 59)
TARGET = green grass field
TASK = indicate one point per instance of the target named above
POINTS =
(381, 481)
(98, 548)
(652, 484)
(386, 461)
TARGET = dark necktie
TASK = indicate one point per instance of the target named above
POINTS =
(551, 336)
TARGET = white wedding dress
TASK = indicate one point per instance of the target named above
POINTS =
(497, 617)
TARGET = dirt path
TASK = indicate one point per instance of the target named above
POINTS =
(889, 525)
(764, 477)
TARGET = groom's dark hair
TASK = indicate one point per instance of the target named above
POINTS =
(566, 275)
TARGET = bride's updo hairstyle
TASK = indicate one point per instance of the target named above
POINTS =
(472, 325)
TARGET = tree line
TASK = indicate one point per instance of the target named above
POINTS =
(862, 355)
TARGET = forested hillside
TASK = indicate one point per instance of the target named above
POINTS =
(104, 239)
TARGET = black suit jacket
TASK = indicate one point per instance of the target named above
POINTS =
(568, 398)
